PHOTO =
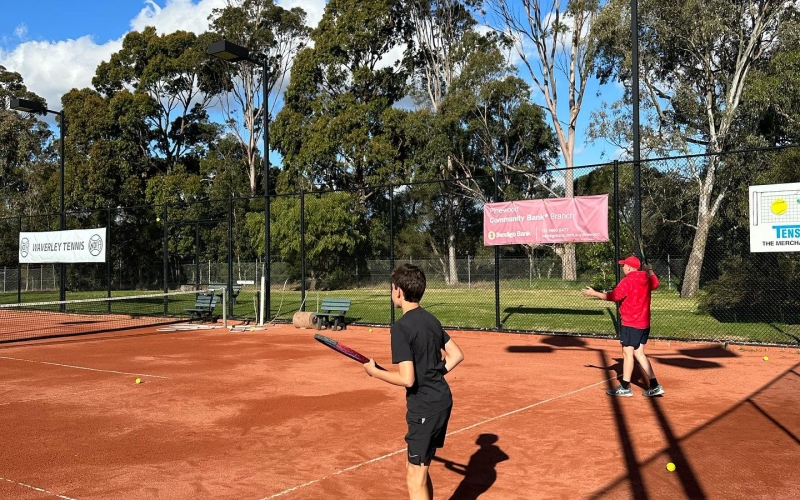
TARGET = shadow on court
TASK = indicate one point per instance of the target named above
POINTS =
(510, 311)
(480, 472)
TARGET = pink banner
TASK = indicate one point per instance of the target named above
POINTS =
(555, 220)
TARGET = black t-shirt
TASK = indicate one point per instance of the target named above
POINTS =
(419, 337)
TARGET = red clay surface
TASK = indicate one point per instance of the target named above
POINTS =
(274, 414)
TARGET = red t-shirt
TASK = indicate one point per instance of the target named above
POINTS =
(633, 294)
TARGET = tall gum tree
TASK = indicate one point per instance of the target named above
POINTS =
(271, 33)
(556, 44)
(695, 62)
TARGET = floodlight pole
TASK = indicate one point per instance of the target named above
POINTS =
(232, 52)
(637, 165)
(36, 107)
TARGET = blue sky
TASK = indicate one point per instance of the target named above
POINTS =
(56, 45)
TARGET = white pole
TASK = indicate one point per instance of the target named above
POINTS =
(224, 306)
(669, 275)
(263, 301)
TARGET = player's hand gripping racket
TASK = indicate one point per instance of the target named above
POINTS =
(343, 349)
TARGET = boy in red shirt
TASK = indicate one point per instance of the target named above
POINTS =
(633, 293)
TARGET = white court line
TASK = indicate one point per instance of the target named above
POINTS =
(482, 422)
(41, 490)
(83, 367)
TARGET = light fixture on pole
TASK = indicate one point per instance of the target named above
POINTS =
(229, 51)
(29, 106)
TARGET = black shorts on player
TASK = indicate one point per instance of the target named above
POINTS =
(425, 434)
(633, 337)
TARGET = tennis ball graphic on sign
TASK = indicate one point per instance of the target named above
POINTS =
(779, 206)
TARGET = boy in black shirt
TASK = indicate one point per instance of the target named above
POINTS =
(424, 353)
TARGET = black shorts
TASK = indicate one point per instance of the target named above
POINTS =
(633, 337)
(425, 434)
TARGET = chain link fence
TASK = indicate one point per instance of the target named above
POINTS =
(345, 243)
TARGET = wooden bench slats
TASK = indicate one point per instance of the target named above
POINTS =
(203, 306)
(332, 312)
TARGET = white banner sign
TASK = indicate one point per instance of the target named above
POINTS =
(69, 247)
(775, 218)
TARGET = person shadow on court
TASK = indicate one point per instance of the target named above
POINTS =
(479, 473)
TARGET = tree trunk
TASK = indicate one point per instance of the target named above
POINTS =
(569, 267)
(691, 276)
(451, 257)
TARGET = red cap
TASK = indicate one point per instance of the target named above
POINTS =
(632, 261)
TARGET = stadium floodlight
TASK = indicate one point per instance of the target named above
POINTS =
(231, 52)
(28, 106)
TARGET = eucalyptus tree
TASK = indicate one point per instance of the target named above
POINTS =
(167, 81)
(271, 34)
(338, 127)
(27, 159)
(696, 58)
(485, 130)
(556, 43)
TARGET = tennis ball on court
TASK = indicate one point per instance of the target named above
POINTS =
(779, 206)
(138, 380)
(252, 329)
(670, 467)
(370, 330)
(766, 358)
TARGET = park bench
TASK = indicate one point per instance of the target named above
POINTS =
(203, 307)
(332, 312)
(235, 289)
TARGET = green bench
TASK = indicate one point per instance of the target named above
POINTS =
(331, 313)
(203, 307)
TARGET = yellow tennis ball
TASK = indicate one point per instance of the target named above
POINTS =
(766, 358)
(779, 206)
(138, 380)
(158, 219)
(370, 330)
(670, 467)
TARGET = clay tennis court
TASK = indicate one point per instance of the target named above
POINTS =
(274, 414)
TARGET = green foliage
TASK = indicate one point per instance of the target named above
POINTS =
(759, 287)
(331, 234)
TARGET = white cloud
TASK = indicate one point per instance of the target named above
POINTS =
(314, 9)
(53, 68)
(176, 15)
(21, 30)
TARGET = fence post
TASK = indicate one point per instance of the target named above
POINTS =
(165, 221)
(391, 247)
(230, 255)
(19, 270)
(617, 254)
(497, 323)
(302, 249)
(109, 262)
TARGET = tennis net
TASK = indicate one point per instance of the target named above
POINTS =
(33, 320)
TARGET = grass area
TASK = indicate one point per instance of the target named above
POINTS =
(559, 309)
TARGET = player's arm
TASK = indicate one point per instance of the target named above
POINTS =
(654, 283)
(403, 377)
(591, 292)
(452, 355)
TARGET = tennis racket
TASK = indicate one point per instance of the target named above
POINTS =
(343, 349)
